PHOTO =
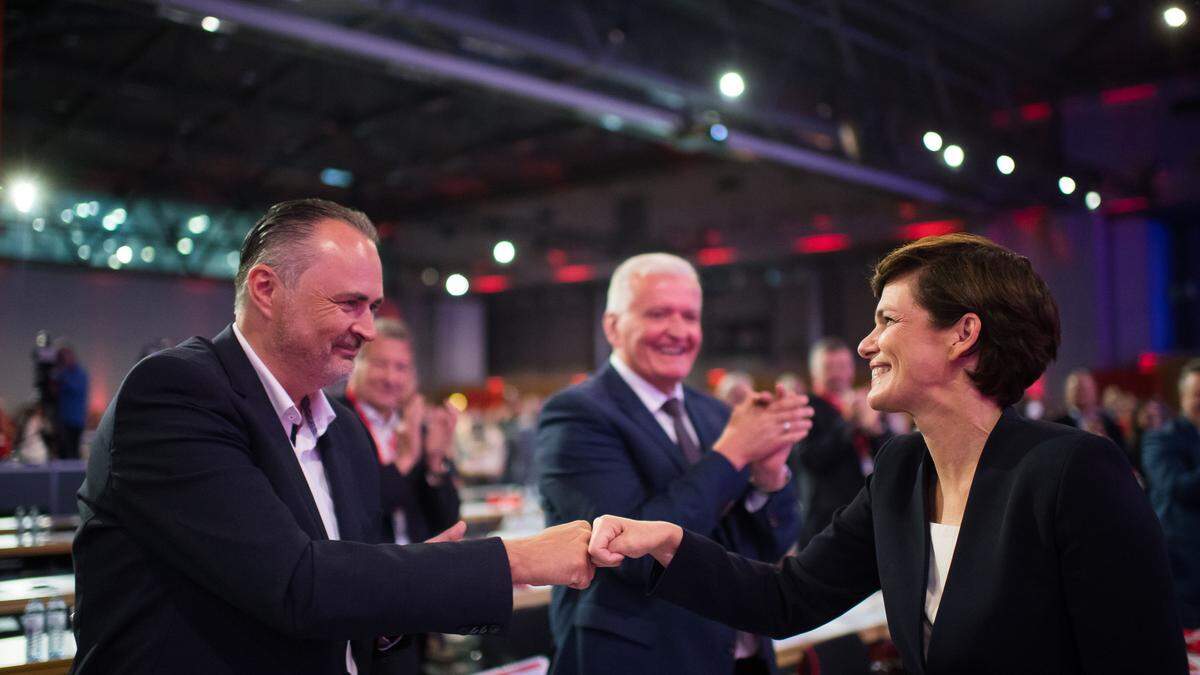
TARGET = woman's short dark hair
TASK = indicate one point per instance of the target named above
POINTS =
(960, 273)
(277, 239)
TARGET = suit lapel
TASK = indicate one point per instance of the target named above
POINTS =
(341, 480)
(633, 407)
(914, 563)
(704, 424)
(980, 521)
(277, 459)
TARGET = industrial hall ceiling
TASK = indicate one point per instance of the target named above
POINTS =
(428, 114)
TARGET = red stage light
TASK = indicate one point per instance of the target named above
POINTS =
(572, 274)
(822, 243)
(1036, 112)
(490, 283)
(716, 255)
(556, 257)
(1125, 205)
(1122, 95)
(929, 228)
(713, 376)
(823, 222)
(495, 385)
(1147, 363)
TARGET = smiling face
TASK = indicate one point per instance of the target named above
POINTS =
(319, 324)
(659, 336)
(910, 358)
(384, 377)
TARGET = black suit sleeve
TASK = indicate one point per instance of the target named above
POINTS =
(826, 443)
(185, 484)
(1119, 604)
(832, 574)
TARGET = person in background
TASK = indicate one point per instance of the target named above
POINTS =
(1057, 561)
(1172, 459)
(734, 387)
(413, 440)
(1082, 397)
(633, 440)
(793, 383)
(71, 394)
(846, 435)
(413, 443)
(1151, 415)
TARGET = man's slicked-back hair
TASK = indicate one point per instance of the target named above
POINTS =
(277, 239)
(620, 287)
(958, 273)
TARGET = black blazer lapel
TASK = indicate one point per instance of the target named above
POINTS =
(278, 458)
(980, 522)
(632, 406)
(904, 580)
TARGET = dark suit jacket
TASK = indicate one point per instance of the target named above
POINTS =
(1172, 457)
(202, 551)
(428, 509)
(829, 467)
(1059, 567)
(600, 451)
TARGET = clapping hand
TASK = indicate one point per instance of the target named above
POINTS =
(765, 426)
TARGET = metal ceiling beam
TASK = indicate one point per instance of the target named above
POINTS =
(658, 122)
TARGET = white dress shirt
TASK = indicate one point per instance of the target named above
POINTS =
(305, 445)
(942, 542)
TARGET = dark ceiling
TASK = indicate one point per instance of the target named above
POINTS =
(433, 106)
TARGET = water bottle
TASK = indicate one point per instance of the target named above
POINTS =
(35, 523)
(19, 516)
(56, 629)
(34, 621)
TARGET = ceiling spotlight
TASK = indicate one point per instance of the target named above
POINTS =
(932, 141)
(731, 84)
(718, 132)
(1066, 185)
(185, 246)
(1005, 164)
(125, 254)
(39, 224)
(504, 252)
(457, 284)
(147, 254)
(198, 224)
(953, 156)
(24, 194)
(84, 252)
(211, 24)
(429, 276)
(1092, 199)
(1175, 17)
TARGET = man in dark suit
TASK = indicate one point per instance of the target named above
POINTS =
(231, 511)
(846, 435)
(1172, 458)
(1084, 411)
(412, 442)
(632, 440)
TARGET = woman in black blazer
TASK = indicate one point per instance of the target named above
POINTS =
(1002, 545)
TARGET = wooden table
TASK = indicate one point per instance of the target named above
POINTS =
(53, 543)
(15, 593)
(9, 525)
(12, 658)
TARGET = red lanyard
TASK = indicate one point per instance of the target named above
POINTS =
(367, 422)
